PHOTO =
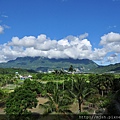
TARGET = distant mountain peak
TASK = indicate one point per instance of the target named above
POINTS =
(44, 63)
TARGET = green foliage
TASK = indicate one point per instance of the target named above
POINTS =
(71, 87)
(11, 71)
(1, 94)
(50, 87)
(105, 103)
(103, 82)
(114, 105)
(68, 85)
(58, 102)
(33, 86)
(3, 97)
(21, 99)
(116, 84)
(39, 75)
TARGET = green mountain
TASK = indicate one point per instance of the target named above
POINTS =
(45, 64)
(112, 68)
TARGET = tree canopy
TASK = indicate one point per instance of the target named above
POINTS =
(20, 100)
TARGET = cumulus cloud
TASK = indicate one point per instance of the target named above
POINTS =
(111, 42)
(25, 42)
(110, 37)
(98, 54)
(112, 58)
(83, 36)
(76, 47)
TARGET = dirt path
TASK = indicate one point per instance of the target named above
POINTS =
(41, 100)
(2, 111)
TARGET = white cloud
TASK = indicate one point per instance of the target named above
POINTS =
(46, 45)
(98, 54)
(1, 29)
(110, 37)
(112, 58)
(25, 41)
(111, 42)
(83, 36)
(64, 42)
(76, 47)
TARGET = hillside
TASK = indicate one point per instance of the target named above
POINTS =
(45, 64)
(112, 68)
(14, 70)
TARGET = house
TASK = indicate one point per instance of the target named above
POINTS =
(25, 77)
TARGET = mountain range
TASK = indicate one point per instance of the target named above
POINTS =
(44, 64)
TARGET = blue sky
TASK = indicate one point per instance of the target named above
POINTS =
(60, 28)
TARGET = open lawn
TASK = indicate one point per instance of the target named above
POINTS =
(9, 87)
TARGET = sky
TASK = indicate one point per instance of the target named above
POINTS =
(78, 29)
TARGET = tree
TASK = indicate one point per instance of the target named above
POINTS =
(98, 81)
(114, 106)
(81, 90)
(116, 85)
(58, 102)
(39, 75)
(105, 83)
(18, 103)
(71, 69)
(3, 97)
(109, 78)
(49, 87)
(33, 86)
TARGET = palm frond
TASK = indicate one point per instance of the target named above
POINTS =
(47, 108)
(64, 108)
(50, 98)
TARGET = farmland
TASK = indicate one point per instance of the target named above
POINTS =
(57, 93)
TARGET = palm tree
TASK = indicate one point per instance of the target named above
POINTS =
(109, 78)
(71, 69)
(57, 103)
(81, 90)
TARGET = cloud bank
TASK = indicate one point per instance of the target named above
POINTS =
(76, 47)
